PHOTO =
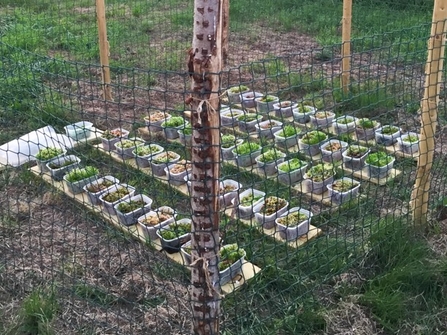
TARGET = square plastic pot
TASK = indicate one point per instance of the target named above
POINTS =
(227, 153)
(176, 179)
(330, 156)
(301, 116)
(284, 109)
(235, 97)
(408, 147)
(128, 152)
(269, 169)
(172, 132)
(248, 99)
(78, 186)
(225, 276)
(291, 177)
(42, 165)
(131, 218)
(249, 126)
(387, 139)
(158, 168)
(354, 163)
(286, 142)
(109, 206)
(93, 197)
(267, 128)
(316, 187)
(57, 173)
(266, 107)
(247, 160)
(154, 120)
(343, 128)
(267, 221)
(174, 245)
(380, 172)
(228, 117)
(366, 134)
(310, 149)
(144, 161)
(342, 197)
(244, 211)
(150, 230)
(79, 130)
(225, 199)
(292, 233)
(322, 122)
(109, 144)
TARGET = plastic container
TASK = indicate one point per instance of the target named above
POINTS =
(228, 117)
(247, 160)
(268, 221)
(406, 146)
(79, 130)
(301, 116)
(78, 186)
(248, 99)
(179, 177)
(245, 211)
(387, 139)
(344, 124)
(284, 109)
(227, 153)
(341, 197)
(265, 107)
(316, 187)
(226, 198)
(291, 177)
(125, 147)
(285, 142)
(174, 244)
(164, 215)
(225, 276)
(380, 172)
(329, 152)
(235, 93)
(322, 119)
(131, 218)
(154, 120)
(269, 168)
(267, 128)
(354, 163)
(158, 167)
(42, 164)
(249, 126)
(108, 144)
(311, 149)
(93, 196)
(294, 232)
(143, 161)
(64, 166)
(109, 206)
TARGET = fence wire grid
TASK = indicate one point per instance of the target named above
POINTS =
(74, 261)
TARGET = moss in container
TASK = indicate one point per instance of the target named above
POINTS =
(272, 204)
(292, 219)
(127, 207)
(247, 148)
(81, 174)
(313, 137)
(289, 131)
(228, 141)
(116, 195)
(379, 159)
(270, 156)
(320, 172)
(48, 153)
(173, 122)
(229, 255)
(293, 164)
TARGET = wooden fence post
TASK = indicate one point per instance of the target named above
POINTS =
(205, 63)
(103, 49)
(429, 114)
(346, 46)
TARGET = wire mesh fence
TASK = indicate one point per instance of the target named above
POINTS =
(95, 194)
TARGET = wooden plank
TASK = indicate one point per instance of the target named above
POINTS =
(313, 233)
(249, 270)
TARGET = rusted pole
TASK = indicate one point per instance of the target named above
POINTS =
(205, 62)
(346, 46)
(103, 49)
(429, 114)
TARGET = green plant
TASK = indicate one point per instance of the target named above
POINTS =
(165, 157)
(268, 98)
(314, 137)
(48, 153)
(173, 122)
(187, 130)
(247, 148)
(270, 156)
(292, 165)
(249, 199)
(238, 89)
(303, 109)
(127, 144)
(272, 204)
(175, 230)
(249, 117)
(323, 115)
(145, 150)
(389, 130)
(130, 206)
(269, 125)
(116, 195)
(343, 185)
(410, 138)
(230, 254)
(379, 159)
(345, 120)
(365, 123)
(356, 151)
(81, 173)
(111, 134)
(228, 141)
(97, 187)
(289, 131)
(321, 172)
(292, 219)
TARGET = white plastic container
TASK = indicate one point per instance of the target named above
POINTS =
(94, 196)
(226, 198)
(109, 206)
(387, 139)
(406, 146)
(246, 211)
(177, 178)
(165, 215)
(294, 232)
(248, 99)
(267, 128)
(341, 197)
(301, 116)
(79, 130)
(332, 156)
(268, 221)
(57, 173)
(131, 218)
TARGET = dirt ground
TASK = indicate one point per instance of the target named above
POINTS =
(45, 237)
